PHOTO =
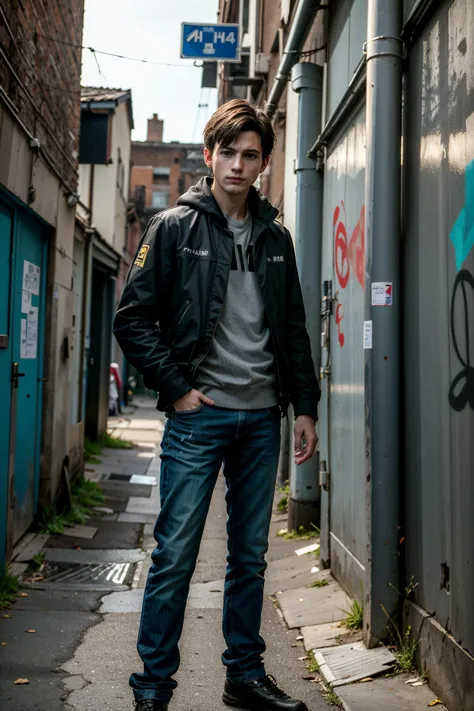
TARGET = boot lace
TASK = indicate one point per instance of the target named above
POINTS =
(269, 685)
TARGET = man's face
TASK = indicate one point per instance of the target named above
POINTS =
(237, 167)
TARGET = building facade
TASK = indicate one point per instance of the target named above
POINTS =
(102, 260)
(393, 270)
(39, 143)
(161, 172)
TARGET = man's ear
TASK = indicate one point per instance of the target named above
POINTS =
(265, 163)
(208, 157)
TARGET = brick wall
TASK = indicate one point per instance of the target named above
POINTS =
(35, 36)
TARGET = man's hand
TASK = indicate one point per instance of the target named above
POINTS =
(305, 438)
(191, 401)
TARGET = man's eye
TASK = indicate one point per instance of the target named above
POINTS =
(226, 153)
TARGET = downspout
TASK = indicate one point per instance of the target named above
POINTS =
(85, 305)
(300, 29)
(382, 322)
(307, 80)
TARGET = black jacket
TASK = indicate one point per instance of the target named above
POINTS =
(176, 287)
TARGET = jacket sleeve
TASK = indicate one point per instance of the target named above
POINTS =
(136, 323)
(304, 387)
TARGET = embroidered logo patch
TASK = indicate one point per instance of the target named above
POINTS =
(140, 260)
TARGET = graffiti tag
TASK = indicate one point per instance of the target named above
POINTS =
(461, 392)
(347, 255)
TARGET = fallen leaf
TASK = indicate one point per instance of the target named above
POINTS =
(22, 681)
(300, 636)
(420, 682)
(301, 659)
(367, 678)
(308, 678)
(31, 631)
(22, 594)
(436, 702)
(402, 540)
(7, 617)
(4, 644)
(411, 681)
(37, 578)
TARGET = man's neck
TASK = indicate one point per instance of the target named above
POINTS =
(232, 206)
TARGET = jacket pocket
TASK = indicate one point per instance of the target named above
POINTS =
(181, 314)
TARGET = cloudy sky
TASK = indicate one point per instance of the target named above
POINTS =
(150, 29)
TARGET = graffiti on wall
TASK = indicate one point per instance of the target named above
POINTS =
(349, 257)
(461, 392)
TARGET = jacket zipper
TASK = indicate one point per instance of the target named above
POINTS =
(188, 304)
(203, 357)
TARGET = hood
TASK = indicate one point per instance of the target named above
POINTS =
(200, 197)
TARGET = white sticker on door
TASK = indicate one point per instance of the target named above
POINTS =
(382, 293)
(23, 339)
(31, 278)
(25, 301)
(31, 333)
(367, 335)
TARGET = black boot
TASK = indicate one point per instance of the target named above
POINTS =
(260, 695)
(150, 705)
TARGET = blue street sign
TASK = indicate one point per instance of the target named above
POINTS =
(210, 42)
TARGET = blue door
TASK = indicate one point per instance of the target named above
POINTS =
(6, 244)
(28, 328)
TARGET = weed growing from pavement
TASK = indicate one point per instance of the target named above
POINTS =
(311, 664)
(355, 617)
(300, 534)
(9, 587)
(405, 645)
(85, 495)
(110, 442)
(35, 564)
(333, 699)
(318, 583)
(283, 503)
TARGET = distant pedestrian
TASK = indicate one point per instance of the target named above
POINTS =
(212, 316)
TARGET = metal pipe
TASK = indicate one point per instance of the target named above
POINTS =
(307, 81)
(300, 29)
(346, 104)
(382, 315)
(417, 18)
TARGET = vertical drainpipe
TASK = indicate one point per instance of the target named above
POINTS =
(382, 360)
(307, 81)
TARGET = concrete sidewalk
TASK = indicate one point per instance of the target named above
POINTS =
(100, 668)
(86, 611)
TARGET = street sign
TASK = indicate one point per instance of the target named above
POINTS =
(210, 42)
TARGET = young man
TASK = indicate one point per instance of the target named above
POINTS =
(213, 317)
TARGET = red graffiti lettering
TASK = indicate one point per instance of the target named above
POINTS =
(340, 248)
(347, 256)
(356, 249)
(339, 317)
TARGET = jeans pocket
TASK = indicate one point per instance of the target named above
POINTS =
(186, 413)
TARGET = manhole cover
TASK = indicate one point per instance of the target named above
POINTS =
(88, 576)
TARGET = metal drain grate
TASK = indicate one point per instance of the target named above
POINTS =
(90, 576)
(352, 662)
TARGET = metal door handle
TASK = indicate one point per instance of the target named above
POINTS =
(16, 374)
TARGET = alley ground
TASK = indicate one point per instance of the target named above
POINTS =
(73, 636)
(83, 648)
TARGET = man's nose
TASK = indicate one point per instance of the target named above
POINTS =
(237, 164)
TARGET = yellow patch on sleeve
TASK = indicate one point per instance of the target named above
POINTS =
(140, 260)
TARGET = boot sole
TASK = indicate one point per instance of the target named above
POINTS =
(230, 700)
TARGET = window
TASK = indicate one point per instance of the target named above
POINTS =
(159, 198)
(161, 176)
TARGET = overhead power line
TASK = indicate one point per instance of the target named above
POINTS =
(112, 54)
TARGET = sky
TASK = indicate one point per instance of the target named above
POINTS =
(150, 29)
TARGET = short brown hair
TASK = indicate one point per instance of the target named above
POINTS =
(234, 117)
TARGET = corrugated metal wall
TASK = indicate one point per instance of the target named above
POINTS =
(343, 262)
(438, 334)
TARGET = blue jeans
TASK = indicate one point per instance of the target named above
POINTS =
(194, 446)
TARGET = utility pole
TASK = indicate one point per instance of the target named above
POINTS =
(307, 81)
